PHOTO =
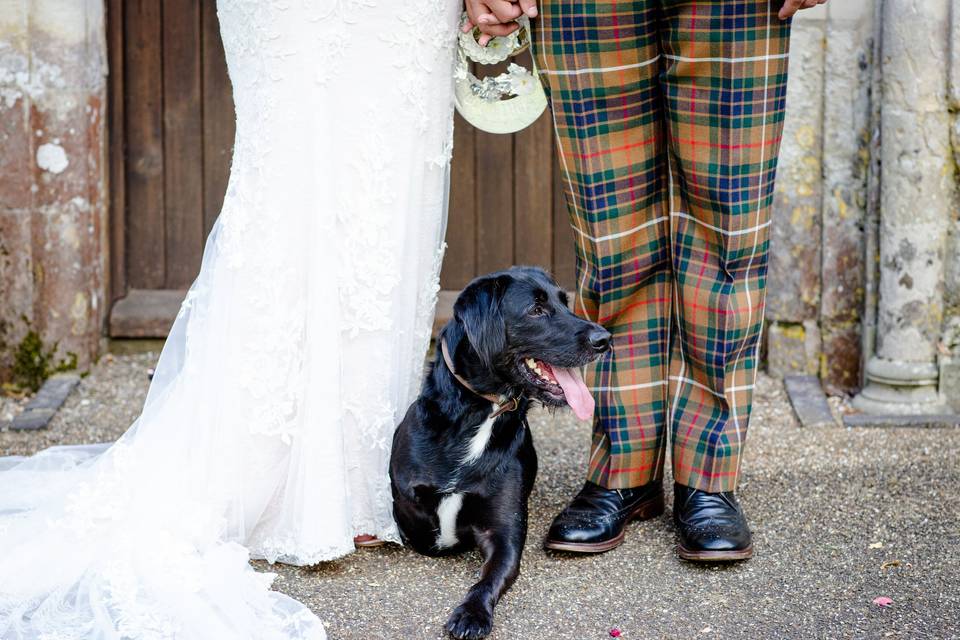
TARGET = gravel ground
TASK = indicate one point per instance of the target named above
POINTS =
(840, 517)
(99, 410)
(11, 405)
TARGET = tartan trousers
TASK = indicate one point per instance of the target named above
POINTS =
(668, 117)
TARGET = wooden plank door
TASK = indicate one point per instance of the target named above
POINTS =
(172, 128)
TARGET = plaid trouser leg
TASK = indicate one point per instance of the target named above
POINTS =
(725, 82)
(665, 183)
(599, 60)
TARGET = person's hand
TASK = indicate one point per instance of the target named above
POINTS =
(496, 17)
(529, 7)
(790, 7)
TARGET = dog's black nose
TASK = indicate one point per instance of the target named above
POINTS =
(599, 339)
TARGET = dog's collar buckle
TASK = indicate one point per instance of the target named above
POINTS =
(510, 405)
(502, 406)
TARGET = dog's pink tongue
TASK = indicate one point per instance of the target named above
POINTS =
(574, 388)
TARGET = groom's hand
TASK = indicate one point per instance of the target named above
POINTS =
(790, 7)
(496, 17)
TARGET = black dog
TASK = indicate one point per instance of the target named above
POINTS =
(463, 461)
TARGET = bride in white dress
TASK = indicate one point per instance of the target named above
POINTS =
(266, 430)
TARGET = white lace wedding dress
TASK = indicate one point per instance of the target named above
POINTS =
(267, 428)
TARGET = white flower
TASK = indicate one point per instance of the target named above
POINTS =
(521, 81)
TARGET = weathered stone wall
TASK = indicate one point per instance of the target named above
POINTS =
(793, 295)
(817, 262)
(846, 135)
(950, 344)
(53, 167)
(873, 97)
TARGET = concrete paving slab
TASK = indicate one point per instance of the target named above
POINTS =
(808, 401)
(38, 413)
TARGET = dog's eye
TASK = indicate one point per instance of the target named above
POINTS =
(538, 310)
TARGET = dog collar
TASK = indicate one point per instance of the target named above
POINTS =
(502, 407)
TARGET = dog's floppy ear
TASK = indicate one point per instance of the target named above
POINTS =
(478, 311)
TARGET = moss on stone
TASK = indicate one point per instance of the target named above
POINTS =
(791, 330)
(33, 362)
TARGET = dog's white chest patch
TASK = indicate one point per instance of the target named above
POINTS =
(447, 512)
(478, 443)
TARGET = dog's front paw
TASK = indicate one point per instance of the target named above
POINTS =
(470, 621)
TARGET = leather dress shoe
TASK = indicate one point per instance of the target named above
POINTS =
(594, 521)
(711, 527)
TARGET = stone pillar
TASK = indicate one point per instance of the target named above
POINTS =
(793, 292)
(52, 159)
(918, 194)
(846, 140)
(950, 356)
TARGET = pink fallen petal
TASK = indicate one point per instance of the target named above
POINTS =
(615, 633)
(882, 601)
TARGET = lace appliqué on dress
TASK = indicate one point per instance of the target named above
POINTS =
(368, 250)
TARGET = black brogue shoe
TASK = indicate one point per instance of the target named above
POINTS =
(711, 527)
(594, 521)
